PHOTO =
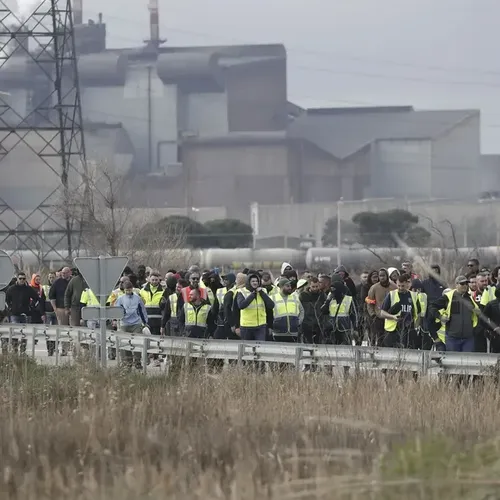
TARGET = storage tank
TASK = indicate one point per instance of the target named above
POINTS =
(239, 258)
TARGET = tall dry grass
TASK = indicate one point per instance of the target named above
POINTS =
(76, 433)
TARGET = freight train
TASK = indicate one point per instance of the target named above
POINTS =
(319, 259)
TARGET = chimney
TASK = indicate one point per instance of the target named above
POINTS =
(154, 22)
(77, 12)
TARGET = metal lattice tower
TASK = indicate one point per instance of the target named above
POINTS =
(42, 149)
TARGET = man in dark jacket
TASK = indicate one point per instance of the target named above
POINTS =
(196, 317)
(20, 299)
(460, 316)
(72, 296)
(315, 323)
(492, 325)
(348, 282)
(223, 309)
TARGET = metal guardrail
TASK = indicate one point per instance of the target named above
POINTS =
(356, 359)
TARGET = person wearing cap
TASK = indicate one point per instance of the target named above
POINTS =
(341, 310)
(401, 312)
(287, 314)
(224, 329)
(302, 286)
(461, 315)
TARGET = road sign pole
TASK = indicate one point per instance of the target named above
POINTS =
(102, 313)
(101, 274)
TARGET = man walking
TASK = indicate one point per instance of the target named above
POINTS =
(56, 296)
(460, 316)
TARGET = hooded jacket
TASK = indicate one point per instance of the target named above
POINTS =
(74, 291)
(391, 270)
(244, 301)
(314, 321)
(349, 283)
(377, 295)
(342, 324)
(22, 299)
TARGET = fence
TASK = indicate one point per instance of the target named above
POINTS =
(355, 359)
(471, 223)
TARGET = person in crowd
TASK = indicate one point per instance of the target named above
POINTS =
(21, 300)
(472, 283)
(72, 296)
(287, 314)
(267, 283)
(393, 274)
(492, 321)
(50, 315)
(341, 311)
(473, 266)
(225, 329)
(134, 318)
(253, 304)
(407, 268)
(348, 282)
(37, 316)
(461, 315)
(376, 296)
(433, 286)
(118, 292)
(401, 313)
(423, 339)
(151, 295)
(314, 323)
(196, 316)
(325, 283)
(57, 299)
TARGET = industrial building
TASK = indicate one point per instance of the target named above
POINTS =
(196, 127)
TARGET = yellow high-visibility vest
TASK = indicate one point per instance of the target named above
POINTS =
(255, 314)
(389, 324)
(173, 303)
(447, 313)
(283, 308)
(152, 297)
(488, 296)
(196, 317)
(88, 298)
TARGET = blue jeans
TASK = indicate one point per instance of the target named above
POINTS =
(256, 333)
(454, 344)
(20, 320)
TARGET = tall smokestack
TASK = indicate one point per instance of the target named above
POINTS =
(77, 12)
(154, 22)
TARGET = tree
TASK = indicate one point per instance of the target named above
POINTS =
(377, 229)
(194, 233)
(349, 232)
(228, 233)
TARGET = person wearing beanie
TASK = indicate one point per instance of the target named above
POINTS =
(287, 314)
(343, 318)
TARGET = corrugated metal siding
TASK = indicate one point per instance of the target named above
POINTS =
(401, 169)
(455, 161)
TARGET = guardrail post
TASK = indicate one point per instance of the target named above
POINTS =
(145, 347)
(298, 358)
(357, 361)
(33, 342)
(118, 352)
(11, 333)
(58, 332)
(78, 347)
(241, 353)
(189, 349)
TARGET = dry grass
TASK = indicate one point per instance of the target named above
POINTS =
(75, 433)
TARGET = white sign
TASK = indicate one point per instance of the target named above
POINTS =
(101, 273)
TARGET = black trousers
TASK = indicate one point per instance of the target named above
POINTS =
(406, 339)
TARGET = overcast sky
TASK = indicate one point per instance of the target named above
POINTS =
(428, 53)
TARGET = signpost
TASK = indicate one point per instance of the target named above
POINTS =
(101, 274)
(7, 271)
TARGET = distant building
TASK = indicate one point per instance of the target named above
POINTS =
(212, 127)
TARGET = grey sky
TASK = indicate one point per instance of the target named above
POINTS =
(428, 53)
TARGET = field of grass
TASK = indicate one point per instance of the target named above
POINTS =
(76, 433)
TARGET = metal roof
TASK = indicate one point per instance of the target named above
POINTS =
(342, 132)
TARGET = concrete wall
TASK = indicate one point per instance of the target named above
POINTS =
(455, 160)
(490, 172)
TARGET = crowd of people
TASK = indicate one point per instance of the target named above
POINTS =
(390, 307)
